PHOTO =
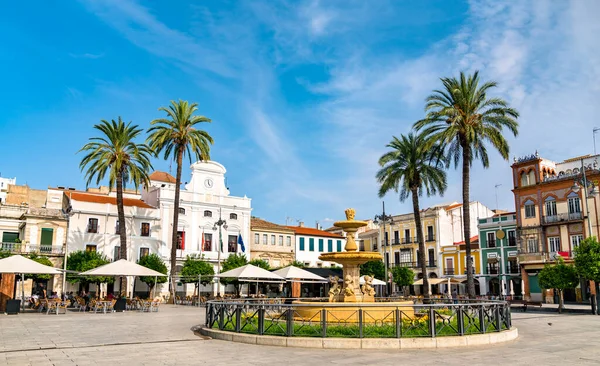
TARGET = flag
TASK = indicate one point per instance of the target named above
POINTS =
(241, 242)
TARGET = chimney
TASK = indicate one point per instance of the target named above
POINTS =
(301, 224)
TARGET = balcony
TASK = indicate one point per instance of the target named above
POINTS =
(45, 249)
(449, 272)
(562, 218)
(513, 269)
(429, 238)
(532, 257)
(430, 264)
(493, 271)
(407, 241)
(396, 241)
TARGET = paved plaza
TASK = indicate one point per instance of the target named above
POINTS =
(165, 338)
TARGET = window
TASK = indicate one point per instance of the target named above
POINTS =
(386, 239)
(90, 247)
(339, 245)
(449, 266)
(145, 229)
(491, 240)
(207, 213)
(554, 244)
(117, 227)
(575, 241)
(272, 239)
(181, 211)
(280, 240)
(311, 244)
(405, 256)
(265, 242)
(431, 257)
(532, 246)
(321, 245)
(301, 243)
(550, 206)
(289, 241)
(329, 245)
(430, 236)
(8, 237)
(529, 210)
(512, 238)
(396, 237)
(144, 252)
(181, 240)
(256, 238)
(396, 258)
(407, 235)
(232, 243)
(207, 244)
(92, 226)
(574, 205)
(116, 253)
(46, 238)
(232, 216)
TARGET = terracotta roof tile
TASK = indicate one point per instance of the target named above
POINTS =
(474, 240)
(101, 198)
(453, 206)
(162, 177)
(256, 223)
(313, 232)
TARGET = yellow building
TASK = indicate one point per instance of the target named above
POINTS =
(454, 261)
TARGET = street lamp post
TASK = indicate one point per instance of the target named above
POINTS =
(383, 218)
(221, 224)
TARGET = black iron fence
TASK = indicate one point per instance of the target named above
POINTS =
(383, 319)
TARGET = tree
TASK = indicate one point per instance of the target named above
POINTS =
(373, 268)
(297, 263)
(153, 261)
(119, 157)
(463, 120)
(233, 261)
(40, 277)
(411, 168)
(587, 264)
(403, 276)
(260, 263)
(559, 276)
(179, 135)
(195, 269)
(81, 261)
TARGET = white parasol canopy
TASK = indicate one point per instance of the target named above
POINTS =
(251, 273)
(437, 281)
(122, 267)
(375, 281)
(19, 264)
(295, 274)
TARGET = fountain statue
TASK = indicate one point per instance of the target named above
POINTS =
(351, 260)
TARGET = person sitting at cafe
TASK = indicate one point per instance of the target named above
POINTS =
(110, 296)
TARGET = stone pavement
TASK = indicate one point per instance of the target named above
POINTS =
(165, 338)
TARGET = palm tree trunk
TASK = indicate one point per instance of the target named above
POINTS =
(176, 219)
(122, 228)
(560, 301)
(420, 239)
(466, 152)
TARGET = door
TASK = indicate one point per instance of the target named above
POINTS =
(449, 266)
(431, 258)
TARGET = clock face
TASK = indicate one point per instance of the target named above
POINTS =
(208, 183)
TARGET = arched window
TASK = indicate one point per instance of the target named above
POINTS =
(181, 211)
(550, 209)
(207, 213)
(232, 216)
(531, 178)
(524, 179)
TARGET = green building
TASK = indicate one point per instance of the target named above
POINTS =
(498, 243)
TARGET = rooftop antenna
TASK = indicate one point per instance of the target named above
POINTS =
(496, 187)
(596, 129)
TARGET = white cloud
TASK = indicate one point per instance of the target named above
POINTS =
(92, 56)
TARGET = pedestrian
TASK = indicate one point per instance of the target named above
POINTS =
(455, 296)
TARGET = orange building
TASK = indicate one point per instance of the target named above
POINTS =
(554, 214)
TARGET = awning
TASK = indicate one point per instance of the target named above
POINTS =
(122, 267)
(437, 281)
(251, 273)
(19, 264)
(295, 274)
(375, 281)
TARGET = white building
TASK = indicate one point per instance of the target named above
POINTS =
(4, 182)
(311, 243)
(93, 226)
(203, 201)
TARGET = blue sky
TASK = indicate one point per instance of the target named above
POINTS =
(304, 95)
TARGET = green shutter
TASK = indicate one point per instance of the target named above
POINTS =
(330, 245)
(301, 243)
(46, 237)
(339, 245)
(10, 237)
(311, 244)
(320, 245)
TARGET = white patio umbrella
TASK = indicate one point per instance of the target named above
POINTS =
(375, 281)
(250, 273)
(18, 264)
(295, 274)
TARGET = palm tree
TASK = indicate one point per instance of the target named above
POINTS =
(412, 167)
(464, 119)
(117, 156)
(179, 135)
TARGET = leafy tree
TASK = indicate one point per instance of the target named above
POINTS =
(463, 119)
(194, 267)
(373, 268)
(4, 254)
(260, 263)
(297, 263)
(42, 260)
(153, 261)
(403, 276)
(119, 157)
(411, 168)
(233, 261)
(81, 261)
(559, 276)
(587, 264)
(179, 135)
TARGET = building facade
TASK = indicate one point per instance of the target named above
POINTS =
(311, 243)
(499, 255)
(204, 202)
(553, 216)
(454, 263)
(272, 243)
(4, 183)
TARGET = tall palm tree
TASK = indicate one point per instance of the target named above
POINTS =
(464, 119)
(178, 134)
(413, 167)
(119, 157)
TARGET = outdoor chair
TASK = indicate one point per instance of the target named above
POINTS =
(81, 304)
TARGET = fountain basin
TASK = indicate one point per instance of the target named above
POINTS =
(350, 224)
(384, 312)
(351, 258)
